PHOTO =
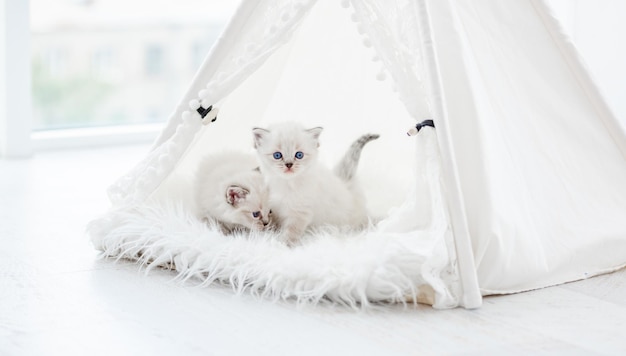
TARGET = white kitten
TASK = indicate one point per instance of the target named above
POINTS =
(303, 192)
(230, 190)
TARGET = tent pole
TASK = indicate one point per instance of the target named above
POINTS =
(471, 293)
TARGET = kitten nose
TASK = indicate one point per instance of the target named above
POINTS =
(289, 165)
(265, 223)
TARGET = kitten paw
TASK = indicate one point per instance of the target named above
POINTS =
(293, 243)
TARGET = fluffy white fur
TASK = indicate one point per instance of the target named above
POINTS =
(402, 258)
(303, 192)
(330, 266)
(230, 191)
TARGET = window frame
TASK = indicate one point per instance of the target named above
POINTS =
(15, 79)
(17, 138)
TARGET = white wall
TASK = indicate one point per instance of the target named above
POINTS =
(598, 29)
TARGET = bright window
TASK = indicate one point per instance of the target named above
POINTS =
(117, 62)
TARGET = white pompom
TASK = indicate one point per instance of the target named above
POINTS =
(194, 104)
(202, 94)
(367, 43)
(381, 76)
(142, 184)
(345, 4)
(361, 29)
(165, 160)
(205, 103)
(151, 173)
(354, 18)
(210, 91)
(179, 129)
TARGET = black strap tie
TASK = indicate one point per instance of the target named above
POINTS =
(414, 130)
(204, 112)
(430, 123)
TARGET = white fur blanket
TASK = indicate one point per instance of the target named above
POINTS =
(353, 269)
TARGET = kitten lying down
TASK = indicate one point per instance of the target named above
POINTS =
(302, 191)
(230, 191)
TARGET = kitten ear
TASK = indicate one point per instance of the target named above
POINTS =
(259, 135)
(315, 133)
(236, 194)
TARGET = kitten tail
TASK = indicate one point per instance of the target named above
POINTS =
(346, 168)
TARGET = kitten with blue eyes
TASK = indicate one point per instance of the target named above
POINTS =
(230, 191)
(303, 192)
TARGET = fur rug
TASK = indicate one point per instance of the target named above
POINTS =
(349, 268)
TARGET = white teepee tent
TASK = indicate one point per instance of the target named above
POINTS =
(520, 186)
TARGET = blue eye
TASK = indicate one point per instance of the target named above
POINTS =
(278, 155)
(299, 155)
(256, 214)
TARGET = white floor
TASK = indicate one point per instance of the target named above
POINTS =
(57, 298)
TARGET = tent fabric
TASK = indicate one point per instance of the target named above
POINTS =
(165, 172)
(540, 167)
(519, 189)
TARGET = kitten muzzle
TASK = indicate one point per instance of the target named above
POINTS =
(289, 168)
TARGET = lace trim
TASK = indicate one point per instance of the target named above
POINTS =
(396, 46)
(392, 30)
(244, 58)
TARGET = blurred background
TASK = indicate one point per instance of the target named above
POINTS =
(111, 62)
(119, 67)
